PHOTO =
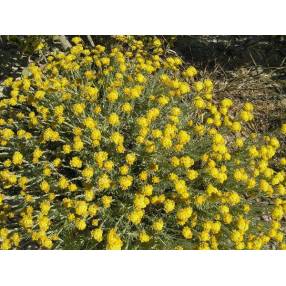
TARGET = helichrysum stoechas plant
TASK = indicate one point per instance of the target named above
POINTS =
(123, 149)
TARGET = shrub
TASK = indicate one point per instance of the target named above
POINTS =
(128, 149)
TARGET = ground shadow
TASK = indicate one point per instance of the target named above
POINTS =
(12, 61)
(233, 52)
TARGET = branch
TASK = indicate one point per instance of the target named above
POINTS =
(90, 41)
(63, 41)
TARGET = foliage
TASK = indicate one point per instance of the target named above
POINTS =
(125, 148)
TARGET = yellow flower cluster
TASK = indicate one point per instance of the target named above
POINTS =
(122, 148)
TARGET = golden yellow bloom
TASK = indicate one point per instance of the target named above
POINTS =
(136, 216)
(283, 128)
(169, 205)
(106, 201)
(112, 96)
(104, 182)
(76, 162)
(125, 182)
(87, 173)
(80, 224)
(190, 72)
(187, 233)
(78, 108)
(97, 234)
(184, 214)
(113, 240)
(144, 237)
(127, 107)
(45, 187)
(17, 158)
(158, 225)
(130, 158)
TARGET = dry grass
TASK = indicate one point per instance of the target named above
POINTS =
(258, 87)
(250, 68)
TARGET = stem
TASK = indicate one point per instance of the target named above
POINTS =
(90, 41)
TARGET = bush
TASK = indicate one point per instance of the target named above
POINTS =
(127, 149)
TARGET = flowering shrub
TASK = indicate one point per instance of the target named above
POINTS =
(127, 149)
